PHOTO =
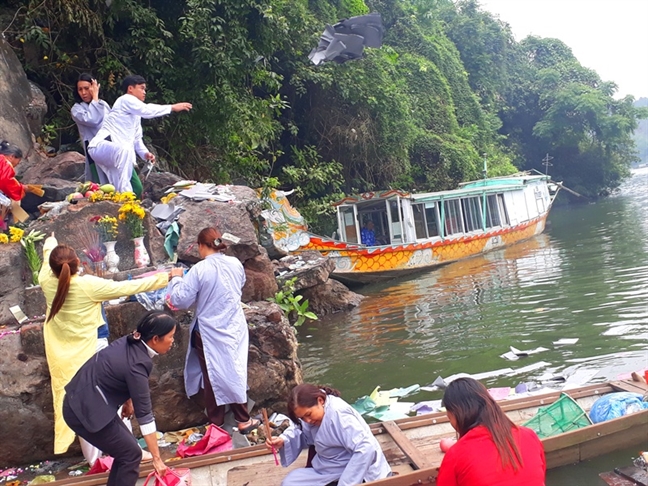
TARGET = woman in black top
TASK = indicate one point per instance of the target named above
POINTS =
(119, 375)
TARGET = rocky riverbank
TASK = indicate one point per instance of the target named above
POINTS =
(26, 415)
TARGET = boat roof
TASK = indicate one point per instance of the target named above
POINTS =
(489, 186)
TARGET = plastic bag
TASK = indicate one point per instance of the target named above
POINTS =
(214, 440)
(103, 464)
(173, 477)
(615, 405)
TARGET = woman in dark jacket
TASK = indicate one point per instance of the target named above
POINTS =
(119, 375)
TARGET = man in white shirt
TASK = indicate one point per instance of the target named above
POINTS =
(114, 146)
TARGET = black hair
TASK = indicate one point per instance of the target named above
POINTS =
(132, 80)
(82, 77)
(7, 148)
(154, 323)
(307, 395)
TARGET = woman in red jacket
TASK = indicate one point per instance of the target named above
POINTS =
(10, 156)
(491, 450)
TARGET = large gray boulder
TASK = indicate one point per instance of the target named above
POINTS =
(12, 272)
(310, 268)
(25, 393)
(19, 111)
(227, 217)
(330, 297)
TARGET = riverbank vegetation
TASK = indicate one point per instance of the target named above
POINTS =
(449, 87)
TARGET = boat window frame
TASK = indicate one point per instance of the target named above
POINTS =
(342, 223)
(457, 218)
(501, 204)
(475, 220)
(399, 211)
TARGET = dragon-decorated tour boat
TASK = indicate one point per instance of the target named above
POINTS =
(385, 234)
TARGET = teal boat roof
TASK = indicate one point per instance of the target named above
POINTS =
(490, 186)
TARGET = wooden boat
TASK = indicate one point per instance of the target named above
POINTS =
(414, 232)
(626, 476)
(411, 445)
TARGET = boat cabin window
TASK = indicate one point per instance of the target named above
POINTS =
(472, 213)
(425, 220)
(453, 219)
(502, 210)
(348, 224)
(379, 219)
(395, 218)
(492, 212)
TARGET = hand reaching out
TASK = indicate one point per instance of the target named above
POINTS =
(181, 106)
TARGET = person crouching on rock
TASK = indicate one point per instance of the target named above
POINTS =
(345, 449)
(119, 375)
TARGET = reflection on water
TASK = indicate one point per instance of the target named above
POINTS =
(586, 277)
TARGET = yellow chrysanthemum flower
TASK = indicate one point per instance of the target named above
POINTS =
(15, 234)
(4, 239)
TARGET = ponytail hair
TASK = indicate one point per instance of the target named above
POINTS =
(154, 323)
(10, 149)
(211, 238)
(307, 395)
(64, 263)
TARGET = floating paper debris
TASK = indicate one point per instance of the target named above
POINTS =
(364, 405)
(403, 392)
(500, 393)
(381, 398)
(387, 414)
(515, 354)
(565, 341)
(428, 406)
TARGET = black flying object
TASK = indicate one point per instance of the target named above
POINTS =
(346, 39)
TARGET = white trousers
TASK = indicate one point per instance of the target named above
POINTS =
(116, 161)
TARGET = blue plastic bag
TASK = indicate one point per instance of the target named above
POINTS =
(615, 405)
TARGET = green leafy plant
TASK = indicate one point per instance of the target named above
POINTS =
(294, 306)
(34, 261)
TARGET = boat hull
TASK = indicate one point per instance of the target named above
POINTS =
(361, 264)
(411, 445)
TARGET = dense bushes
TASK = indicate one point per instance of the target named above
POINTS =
(449, 86)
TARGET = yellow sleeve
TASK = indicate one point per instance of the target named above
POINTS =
(101, 289)
(45, 271)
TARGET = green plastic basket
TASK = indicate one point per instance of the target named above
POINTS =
(561, 416)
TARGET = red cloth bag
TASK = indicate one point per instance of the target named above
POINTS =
(173, 477)
(102, 464)
(214, 440)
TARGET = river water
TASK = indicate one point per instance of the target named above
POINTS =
(586, 277)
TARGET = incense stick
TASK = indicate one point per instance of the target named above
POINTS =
(266, 424)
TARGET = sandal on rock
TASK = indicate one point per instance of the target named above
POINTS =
(254, 424)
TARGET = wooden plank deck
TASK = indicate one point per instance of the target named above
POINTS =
(415, 441)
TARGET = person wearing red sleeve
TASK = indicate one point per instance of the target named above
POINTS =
(10, 156)
(491, 450)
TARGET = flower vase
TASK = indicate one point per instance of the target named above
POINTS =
(141, 255)
(112, 258)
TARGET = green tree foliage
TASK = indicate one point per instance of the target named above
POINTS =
(560, 107)
(641, 133)
(449, 87)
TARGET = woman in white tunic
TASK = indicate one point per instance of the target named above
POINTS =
(218, 350)
(88, 113)
(346, 450)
